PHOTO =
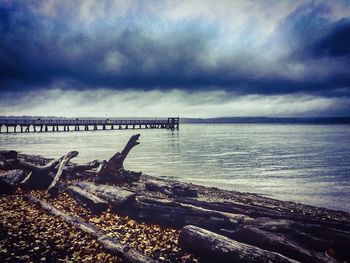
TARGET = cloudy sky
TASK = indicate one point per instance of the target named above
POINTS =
(192, 58)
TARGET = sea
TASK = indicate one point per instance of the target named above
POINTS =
(309, 164)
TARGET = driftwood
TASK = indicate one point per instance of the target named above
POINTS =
(10, 180)
(174, 189)
(278, 242)
(302, 238)
(110, 244)
(169, 213)
(53, 189)
(91, 201)
(217, 248)
(38, 175)
(48, 175)
(73, 170)
(114, 195)
(113, 171)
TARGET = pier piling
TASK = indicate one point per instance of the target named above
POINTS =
(9, 125)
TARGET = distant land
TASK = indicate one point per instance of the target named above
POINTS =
(259, 119)
(300, 120)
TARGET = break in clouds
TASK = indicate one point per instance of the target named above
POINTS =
(108, 103)
(225, 58)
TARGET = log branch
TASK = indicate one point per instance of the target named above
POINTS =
(113, 171)
(53, 189)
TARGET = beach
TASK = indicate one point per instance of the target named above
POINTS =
(153, 230)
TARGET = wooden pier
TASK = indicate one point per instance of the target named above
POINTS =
(66, 125)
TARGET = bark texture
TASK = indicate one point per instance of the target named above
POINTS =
(217, 248)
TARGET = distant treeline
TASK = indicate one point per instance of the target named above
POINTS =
(297, 120)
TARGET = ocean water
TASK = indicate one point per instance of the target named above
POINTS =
(302, 163)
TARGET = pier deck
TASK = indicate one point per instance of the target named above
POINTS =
(64, 125)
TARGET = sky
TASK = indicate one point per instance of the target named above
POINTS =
(191, 58)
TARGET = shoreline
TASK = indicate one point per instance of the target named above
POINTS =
(220, 193)
(250, 219)
(266, 195)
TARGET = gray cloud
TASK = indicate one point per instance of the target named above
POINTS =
(134, 103)
(248, 48)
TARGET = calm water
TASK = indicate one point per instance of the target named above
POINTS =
(304, 163)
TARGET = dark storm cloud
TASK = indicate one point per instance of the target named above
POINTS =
(336, 43)
(140, 49)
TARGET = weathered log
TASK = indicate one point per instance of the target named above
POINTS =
(312, 234)
(88, 200)
(10, 180)
(278, 242)
(217, 248)
(318, 237)
(113, 171)
(53, 189)
(110, 244)
(9, 161)
(8, 155)
(173, 214)
(115, 196)
(174, 189)
(38, 176)
(71, 170)
(100, 167)
(40, 170)
(260, 211)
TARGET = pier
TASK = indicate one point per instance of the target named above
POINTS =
(12, 125)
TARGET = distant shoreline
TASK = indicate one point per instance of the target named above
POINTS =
(269, 120)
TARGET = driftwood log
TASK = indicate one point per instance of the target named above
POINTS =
(217, 248)
(10, 180)
(114, 195)
(39, 176)
(42, 174)
(173, 214)
(279, 242)
(88, 200)
(113, 171)
(173, 189)
(303, 238)
(53, 189)
(110, 244)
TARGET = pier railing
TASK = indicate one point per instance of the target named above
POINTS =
(54, 125)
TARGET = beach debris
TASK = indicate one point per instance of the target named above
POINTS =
(10, 180)
(114, 195)
(53, 189)
(45, 173)
(171, 189)
(278, 242)
(88, 200)
(218, 248)
(28, 234)
(113, 171)
(110, 244)
(169, 213)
